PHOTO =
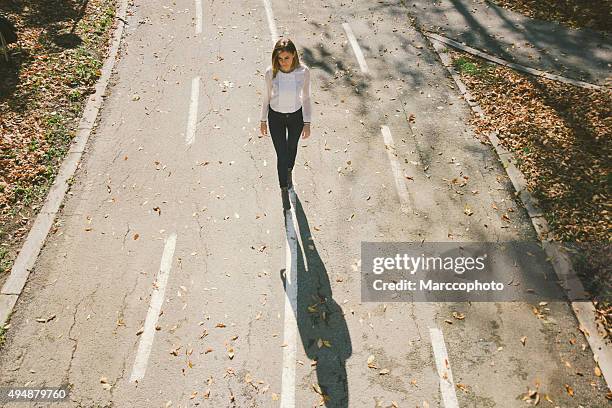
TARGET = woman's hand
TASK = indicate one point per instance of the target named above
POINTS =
(263, 128)
(306, 131)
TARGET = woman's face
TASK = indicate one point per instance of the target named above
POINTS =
(285, 59)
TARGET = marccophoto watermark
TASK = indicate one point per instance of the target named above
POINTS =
(431, 285)
(459, 272)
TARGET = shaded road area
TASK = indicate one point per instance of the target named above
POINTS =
(581, 54)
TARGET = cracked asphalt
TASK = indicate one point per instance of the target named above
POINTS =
(139, 182)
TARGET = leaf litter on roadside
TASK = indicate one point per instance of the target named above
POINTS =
(561, 137)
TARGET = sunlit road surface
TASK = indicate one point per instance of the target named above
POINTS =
(175, 279)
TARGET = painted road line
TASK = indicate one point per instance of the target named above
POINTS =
(157, 298)
(356, 48)
(198, 7)
(400, 182)
(193, 110)
(290, 325)
(447, 386)
(271, 23)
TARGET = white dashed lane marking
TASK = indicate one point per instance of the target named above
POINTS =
(198, 8)
(290, 326)
(193, 111)
(447, 386)
(271, 23)
(356, 49)
(400, 182)
(157, 299)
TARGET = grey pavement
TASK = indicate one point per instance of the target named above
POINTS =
(225, 295)
(581, 54)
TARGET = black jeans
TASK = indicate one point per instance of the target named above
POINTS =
(285, 129)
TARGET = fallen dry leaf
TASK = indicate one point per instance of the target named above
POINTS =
(458, 315)
(462, 387)
(46, 319)
(371, 363)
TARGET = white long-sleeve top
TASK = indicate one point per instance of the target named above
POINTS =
(287, 92)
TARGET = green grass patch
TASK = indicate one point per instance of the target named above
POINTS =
(471, 67)
(87, 69)
(5, 262)
(75, 95)
(58, 137)
(2, 335)
(95, 28)
(4, 330)
(27, 194)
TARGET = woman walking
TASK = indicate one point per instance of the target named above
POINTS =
(286, 109)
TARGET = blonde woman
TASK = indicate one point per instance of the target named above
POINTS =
(286, 109)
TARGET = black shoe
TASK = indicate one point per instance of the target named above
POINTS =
(289, 178)
(285, 197)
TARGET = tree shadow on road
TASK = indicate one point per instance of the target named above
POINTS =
(320, 319)
(556, 48)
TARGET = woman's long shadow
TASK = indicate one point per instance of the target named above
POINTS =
(320, 319)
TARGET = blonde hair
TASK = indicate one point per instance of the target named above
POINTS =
(284, 44)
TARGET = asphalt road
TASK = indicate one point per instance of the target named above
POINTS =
(174, 279)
